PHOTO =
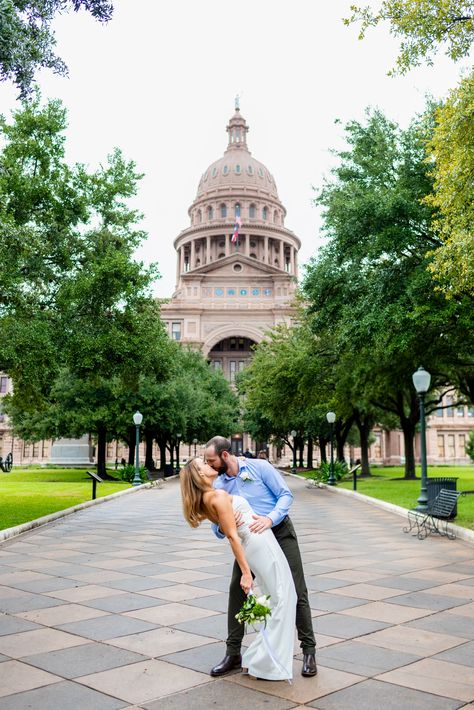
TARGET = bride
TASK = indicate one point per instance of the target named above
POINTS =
(270, 655)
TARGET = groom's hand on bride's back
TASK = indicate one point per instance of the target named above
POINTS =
(261, 523)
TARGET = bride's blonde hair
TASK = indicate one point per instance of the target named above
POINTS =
(193, 486)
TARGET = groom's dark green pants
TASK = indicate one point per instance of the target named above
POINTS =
(286, 536)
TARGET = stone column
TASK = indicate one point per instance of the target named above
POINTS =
(265, 249)
(192, 260)
(208, 249)
(292, 260)
(296, 262)
(178, 265)
(247, 245)
(227, 244)
(280, 254)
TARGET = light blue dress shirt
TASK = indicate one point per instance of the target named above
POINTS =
(262, 486)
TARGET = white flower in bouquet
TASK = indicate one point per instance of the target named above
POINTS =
(254, 610)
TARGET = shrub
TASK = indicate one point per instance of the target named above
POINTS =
(324, 471)
(127, 473)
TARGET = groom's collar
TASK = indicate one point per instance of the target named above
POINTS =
(242, 464)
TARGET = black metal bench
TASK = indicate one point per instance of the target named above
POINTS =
(436, 517)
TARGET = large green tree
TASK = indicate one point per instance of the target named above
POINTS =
(423, 26)
(369, 287)
(77, 308)
(27, 38)
(289, 386)
(451, 152)
(194, 401)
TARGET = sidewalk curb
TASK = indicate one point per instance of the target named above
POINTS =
(461, 533)
(8, 533)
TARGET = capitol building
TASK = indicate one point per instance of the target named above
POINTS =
(229, 291)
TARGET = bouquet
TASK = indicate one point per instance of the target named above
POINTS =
(254, 610)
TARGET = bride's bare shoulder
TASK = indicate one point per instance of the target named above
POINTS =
(216, 497)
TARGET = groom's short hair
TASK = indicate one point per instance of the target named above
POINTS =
(220, 444)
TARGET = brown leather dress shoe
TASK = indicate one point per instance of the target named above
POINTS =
(309, 665)
(228, 663)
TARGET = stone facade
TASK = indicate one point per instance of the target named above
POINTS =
(230, 291)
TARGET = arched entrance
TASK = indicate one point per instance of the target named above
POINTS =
(231, 355)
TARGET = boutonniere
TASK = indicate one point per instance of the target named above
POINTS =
(245, 476)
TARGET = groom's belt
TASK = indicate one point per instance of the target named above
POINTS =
(281, 523)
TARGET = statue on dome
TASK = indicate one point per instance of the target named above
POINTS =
(237, 102)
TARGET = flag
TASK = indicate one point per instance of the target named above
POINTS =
(237, 225)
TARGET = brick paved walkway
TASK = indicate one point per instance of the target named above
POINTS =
(123, 606)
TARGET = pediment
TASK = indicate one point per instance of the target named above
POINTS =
(225, 267)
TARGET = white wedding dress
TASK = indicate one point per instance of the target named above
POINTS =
(270, 655)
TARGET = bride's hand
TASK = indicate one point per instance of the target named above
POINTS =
(246, 582)
(238, 518)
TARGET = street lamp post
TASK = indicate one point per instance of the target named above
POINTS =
(293, 434)
(178, 438)
(421, 380)
(195, 441)
(137, 420)
(331, 417)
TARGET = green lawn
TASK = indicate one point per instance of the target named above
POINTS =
(30, 493)
(388, 484)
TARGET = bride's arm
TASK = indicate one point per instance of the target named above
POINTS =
(222, 508)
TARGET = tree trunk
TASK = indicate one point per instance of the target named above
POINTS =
(162, 446)
(101, 451)
(408, 424)
(301, 453)
(364, 455)
(364, 425)
(310, 452)
(409, 440)
(171, 450)
(131, 446)
(322, 449)
(341, 432)
(149, 463)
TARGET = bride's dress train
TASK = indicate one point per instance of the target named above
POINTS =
(273, 576)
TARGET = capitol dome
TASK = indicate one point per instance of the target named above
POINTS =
(237, 169)
(237, 181)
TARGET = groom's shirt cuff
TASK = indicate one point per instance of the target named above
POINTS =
(217, 531)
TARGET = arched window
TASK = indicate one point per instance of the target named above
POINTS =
(237, 210)
(221, 255)
(275, 217)
(254, 256)
(223, 211)
(210, 213)
(264, 213)
(252, 212)
(238, 169)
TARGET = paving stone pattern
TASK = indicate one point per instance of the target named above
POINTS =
(123, 605)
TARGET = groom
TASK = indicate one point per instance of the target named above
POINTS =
(271, 500)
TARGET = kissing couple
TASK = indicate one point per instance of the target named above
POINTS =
(247, 502)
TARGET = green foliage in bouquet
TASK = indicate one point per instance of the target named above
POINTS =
(254, 610)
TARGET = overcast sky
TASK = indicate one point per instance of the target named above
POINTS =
(159, 82)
